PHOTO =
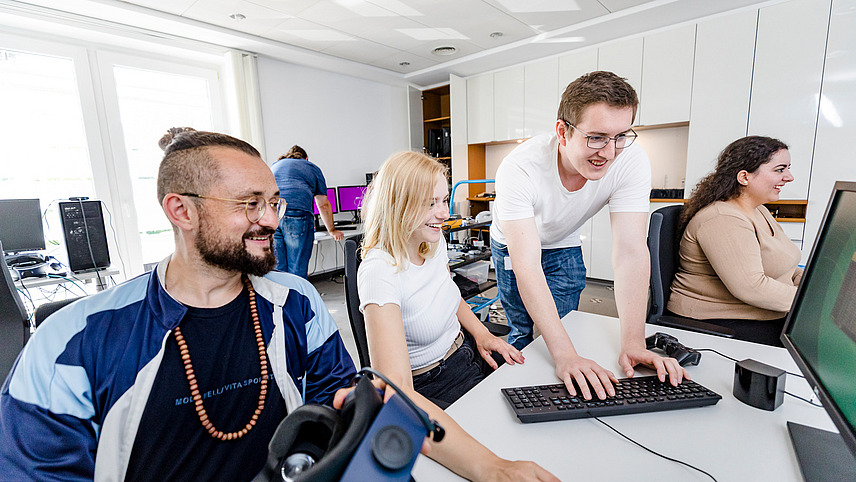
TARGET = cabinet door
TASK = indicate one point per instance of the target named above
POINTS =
(540, 101)
(625, 59)
(480, 109)
(667, 76)
(572, 66)
(722, 82)
(833, 155)
(786, 83)
(508, 104)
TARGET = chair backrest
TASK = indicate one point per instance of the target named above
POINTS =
(14, 322)
(47, 309)
(663, 244)
(352, 298)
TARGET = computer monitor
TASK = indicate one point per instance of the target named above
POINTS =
(331, 196)
(351, 198)
(820, 334)
(21, 225)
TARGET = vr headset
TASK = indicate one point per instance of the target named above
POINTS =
(366, 440)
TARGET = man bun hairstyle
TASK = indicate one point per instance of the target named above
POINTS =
(595, 88)
(187, 164)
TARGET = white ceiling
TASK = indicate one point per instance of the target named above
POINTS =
(393, 40)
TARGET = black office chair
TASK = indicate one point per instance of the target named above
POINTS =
(352, 300)
(663, 244)
(47, 309)
(14, 322)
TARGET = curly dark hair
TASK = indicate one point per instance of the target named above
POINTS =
(296, 152)
(744, 154)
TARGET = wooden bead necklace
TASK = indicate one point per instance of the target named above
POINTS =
(194, 388)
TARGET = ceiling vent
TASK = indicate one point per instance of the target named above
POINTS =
(445, 50)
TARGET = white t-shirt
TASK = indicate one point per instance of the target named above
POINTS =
(426, 294)
(528, 185)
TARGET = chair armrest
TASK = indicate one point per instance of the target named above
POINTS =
(694, 325)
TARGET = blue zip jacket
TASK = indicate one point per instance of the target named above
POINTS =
(71, 407)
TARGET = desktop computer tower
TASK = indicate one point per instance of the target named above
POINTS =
(84, 235)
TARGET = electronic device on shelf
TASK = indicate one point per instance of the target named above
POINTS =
(546, 403)
(351, 200)
(820, 334)
(21, 225)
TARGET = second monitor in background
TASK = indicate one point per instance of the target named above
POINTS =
(331, 196)
(351, 200)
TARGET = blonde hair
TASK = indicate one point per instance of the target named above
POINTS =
(396, 203)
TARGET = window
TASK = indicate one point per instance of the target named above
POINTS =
(42, 139)
(150, 102)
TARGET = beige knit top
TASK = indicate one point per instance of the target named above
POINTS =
(735, 266)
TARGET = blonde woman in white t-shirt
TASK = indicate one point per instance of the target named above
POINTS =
(421, 333)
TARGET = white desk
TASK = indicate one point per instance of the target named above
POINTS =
(327, 253)
(98, 277)
(731, 440)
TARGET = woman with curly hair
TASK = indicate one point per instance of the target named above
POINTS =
(737, 266)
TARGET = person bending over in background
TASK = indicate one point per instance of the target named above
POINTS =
(300, 183)
(415, 314)
(736, 262)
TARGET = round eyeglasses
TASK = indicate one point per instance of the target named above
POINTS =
(599, 142)
(254, 207)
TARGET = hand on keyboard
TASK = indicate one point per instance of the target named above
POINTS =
(581, 369)
(663, 365)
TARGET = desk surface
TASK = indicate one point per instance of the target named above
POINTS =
(52, 280)
(731, 440)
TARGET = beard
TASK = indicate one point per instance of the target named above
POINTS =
(226, 255)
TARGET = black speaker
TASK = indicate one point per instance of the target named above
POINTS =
(85, 238)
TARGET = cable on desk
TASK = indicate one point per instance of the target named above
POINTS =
(653, 452)
(736, 360)
(804, 399)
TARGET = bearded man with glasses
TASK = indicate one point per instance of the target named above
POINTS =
(185, 372)
(546, 189)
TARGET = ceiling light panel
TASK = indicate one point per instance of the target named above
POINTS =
(379, 8)
(432, 33)
(551, 20)
(176, 7)
(380, 30)
(537, 6)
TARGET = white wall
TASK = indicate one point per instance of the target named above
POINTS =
(348, 126)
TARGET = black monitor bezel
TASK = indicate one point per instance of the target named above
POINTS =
(845, 429)
(40, 247)
(339, 198)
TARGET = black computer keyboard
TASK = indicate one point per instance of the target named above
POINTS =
(544, 403)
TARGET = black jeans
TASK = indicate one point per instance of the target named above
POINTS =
(454, 376)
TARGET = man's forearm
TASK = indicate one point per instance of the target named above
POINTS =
(631, 297)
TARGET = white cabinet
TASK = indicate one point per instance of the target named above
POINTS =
(572, 66)
(789, 55)
(836, 124)
(480, 109)
(667, 76)
(625, 59)
(722, 82)
(541, 97)
(508, 100)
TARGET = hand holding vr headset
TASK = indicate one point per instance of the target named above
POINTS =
(370, 438)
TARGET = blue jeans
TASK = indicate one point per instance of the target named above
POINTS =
(454, 376)
(293, 241)
(566, 277)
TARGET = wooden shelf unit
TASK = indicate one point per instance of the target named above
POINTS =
(436, 114)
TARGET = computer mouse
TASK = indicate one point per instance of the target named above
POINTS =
(56, 266)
